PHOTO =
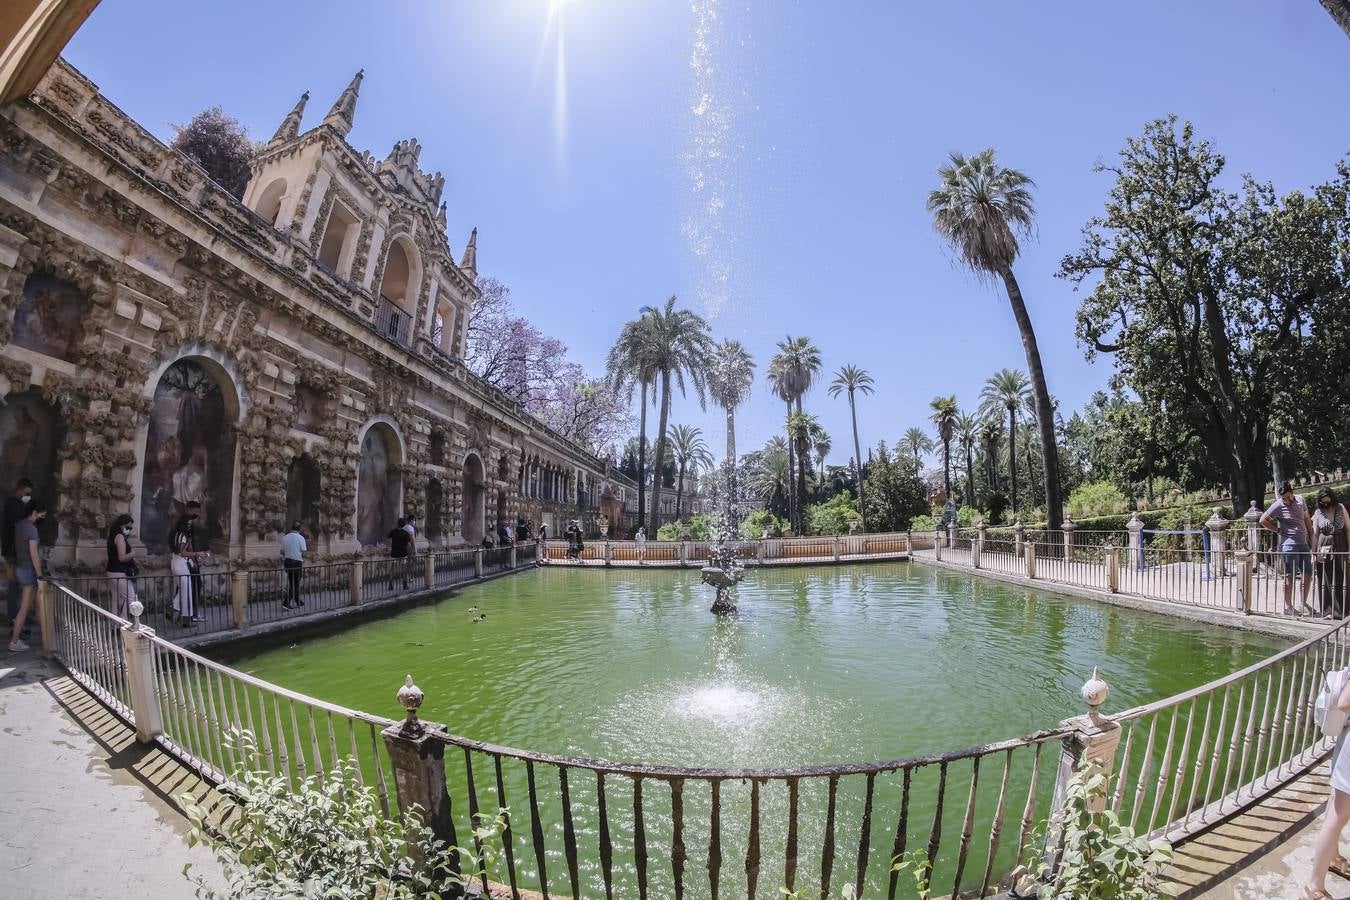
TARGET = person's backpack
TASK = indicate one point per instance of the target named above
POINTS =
(1328, 715)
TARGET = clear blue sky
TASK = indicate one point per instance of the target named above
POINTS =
(834, 117)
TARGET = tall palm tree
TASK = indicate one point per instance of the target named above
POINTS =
(917, 441)
(691, 457)
(967, 429)
(856, 381)
(792, 373)
(731, 373)
(679, 347)
(943, 417)
(769, 476)
(802, 428)
(1340, 11)
(981, 209)
(821, 444)
(1007, 390)
(991, 434)
(631, 365)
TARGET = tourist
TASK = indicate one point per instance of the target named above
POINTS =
(293, 549)
(1288, 517)
(640, 539)
(543, 532)
(573, 541)
(27, 568)
(580, 535)
(1326, 847)
(487, 543)
(1333, 543)
(398, 548)
(183, 542)
(14, 504)
(121, 568)
(180, 566)
(503, 535)
(410, 527)
(522, 530)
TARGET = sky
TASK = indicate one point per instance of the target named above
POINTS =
(765, 162)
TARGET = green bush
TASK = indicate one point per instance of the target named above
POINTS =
(997, 503)
(833, 516)
(922, 523)
(752, 529)
(966, 516)
(674, 531)
(1097, 498)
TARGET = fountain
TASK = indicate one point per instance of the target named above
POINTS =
(724, 570)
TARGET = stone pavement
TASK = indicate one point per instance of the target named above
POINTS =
(85, 810)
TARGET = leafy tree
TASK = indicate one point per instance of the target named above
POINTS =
(917, 441)
(1340, 11)
(833, 516)
(980, 209)
(855, 381)
(770, 474)
(1208, 300)
(792, 373)
(944, 413)
(731, 374)
(691, 456)
(895, 493)
(1006, 390)
(220, 145)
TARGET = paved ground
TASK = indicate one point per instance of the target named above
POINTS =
(85, 811)
(1279, 874)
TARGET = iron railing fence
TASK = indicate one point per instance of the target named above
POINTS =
(769, 551)
(166, 598)
(87, 640)
(275, 593)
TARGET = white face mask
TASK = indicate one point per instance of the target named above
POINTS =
(126, 530)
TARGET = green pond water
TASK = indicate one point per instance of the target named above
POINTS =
(820, 666)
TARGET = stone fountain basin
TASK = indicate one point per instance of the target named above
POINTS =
(719, 578)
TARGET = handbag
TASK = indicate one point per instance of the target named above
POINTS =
(1326, 711)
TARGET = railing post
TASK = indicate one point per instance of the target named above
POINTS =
(1136, 528)
(1068, 528)
(759, 550)
(1113, 569)
(951, 534)
(684, 553)
(1246, 563)
(46, 613)
(138, 656)
(1018, 540)
(511, 558)
(239, 596)
(1031, 560)
(836, 548)
(478, 563)
(1217, 526)
(429, 570)
(357, 576)
(977, 549)
(609, 553)
(417, 757)
(1092, 737)
(937, 544)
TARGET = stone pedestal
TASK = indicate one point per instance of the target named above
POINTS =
(478, 563)
(429, 571)
(355, 584)
(46, 616)
(1068, 528)
(239, 597)
(1217, 526)
(1019, 538)
(138, 654)
(417, 757)
(1030, 555)
(1136, 530)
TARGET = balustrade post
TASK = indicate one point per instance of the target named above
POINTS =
(977, 549)
(46, 613)
(759, 550)
(1253, 519)
(937, 544)
(1092, 737)
(417, 756)
(478, 563)
(684, 553)
(1031, 560)
(609, 553)
(1136, 529)
(511, 558)
(1217, 526)
(951, 534)
(1019, 538)
(239, 596)
(1068, 528)
(356, 577)
(1246, 560)
(836, 548)
(429, 571)
(1113, 569)
(138, 657)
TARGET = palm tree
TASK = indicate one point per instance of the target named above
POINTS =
(967, 428)
(691, 456)
(821, 444)
(792, 372)
(918, 442)
(631, 366)
(769, 476)
(802, 428)
(943, 417)
(1006, 389)
(1340, 11)
(731, 373)
(855, 381)
(981, 209)
(679, 348)
(991, 434)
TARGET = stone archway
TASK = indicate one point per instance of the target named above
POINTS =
(31, 431)
(379, 483)
(189, 451)
(474, 495)
(302, 494)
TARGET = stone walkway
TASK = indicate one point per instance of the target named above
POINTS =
(86, 811)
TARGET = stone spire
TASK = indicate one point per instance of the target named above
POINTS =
(340, 117)
(470, 261)
(441, 217)
(290, 126)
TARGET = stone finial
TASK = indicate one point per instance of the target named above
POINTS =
(290, 126)
(343, 113)
(470, 261)
(1216, 521)
(1018, 526)
(1253, 515)
(1094, 693)
(136, 608)
(440, 217)
(410, 697)
(1135, 522)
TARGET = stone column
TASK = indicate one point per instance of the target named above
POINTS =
(1092, 737)
(609, 552)
(357, 577)
(1068, 528)
(1217, 526)
(239, 597)
(1113, 569)
(1030, 555)
(951, 534)
(1246, 561)
(138, 655)
(429, 571)
(1253, 519)
(511, 558)
(1018, 539)
(978, 549)
(46, 615)
(478, 563)
(937, 544)
(1136, 531)
(836, 548)
(417, 756)
(684, 553)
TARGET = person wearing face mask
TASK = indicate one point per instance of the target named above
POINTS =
(28, 568)
(183, 544)
(14, 504)
(121, 569)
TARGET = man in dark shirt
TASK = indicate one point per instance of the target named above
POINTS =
(14, 504)
(399, 539)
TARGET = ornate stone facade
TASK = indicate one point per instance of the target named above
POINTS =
(161, 341)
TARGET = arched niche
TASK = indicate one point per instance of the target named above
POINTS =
(435, 510)
(189, 451)
(402, 276)
(50, 317)
(269, 202)
(379, 483)
(474, 499)
(302, 494)
(31, 430)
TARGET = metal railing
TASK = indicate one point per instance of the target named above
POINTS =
(392, 322)
(590, 827)
(772, 551)
(166, 598)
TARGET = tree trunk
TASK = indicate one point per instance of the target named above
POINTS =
(731, 458)
(679, 491)
(1044, 414)
(642, 459)
(1012, 456)
(1340, 11)
(801, 479)
(660, 454)
(970, 477)
(947, 467)
(857, 462)
(792, 473)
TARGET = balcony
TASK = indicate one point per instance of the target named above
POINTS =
(393, 322)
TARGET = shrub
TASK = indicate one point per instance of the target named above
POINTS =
(997, 502)
(833, 516)
(1097, 498)
(674, 531)
(220, 145)
(752, 529)
(966, 515)
(922, 523)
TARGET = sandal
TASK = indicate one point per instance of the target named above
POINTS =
(1340, 866)
(1312, 893)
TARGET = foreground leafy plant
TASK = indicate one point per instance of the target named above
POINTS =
(329, 839)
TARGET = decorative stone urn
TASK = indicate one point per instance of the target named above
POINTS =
(722, 580)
